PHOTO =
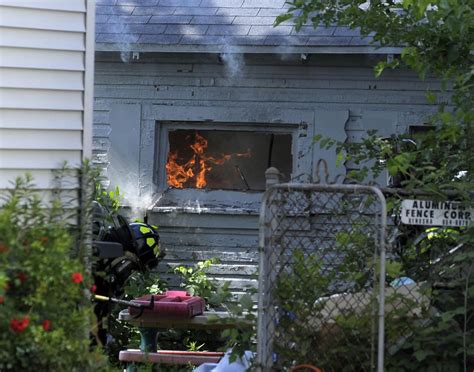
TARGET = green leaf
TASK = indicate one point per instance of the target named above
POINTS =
(421, 355)
(393, 268)
(379, 68)
(431, 97)
(422, 5)
(246, 301)
(339, 158)
(282, 18)
(392, 167)
(213, 318)
(235, 309)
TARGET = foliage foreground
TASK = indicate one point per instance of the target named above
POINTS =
(45, 311)
(436, 40)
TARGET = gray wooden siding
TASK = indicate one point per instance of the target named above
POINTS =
(45, 88)
(341, 87)
(190, 237)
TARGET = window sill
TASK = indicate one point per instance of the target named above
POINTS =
(200, 201)
(205, 210)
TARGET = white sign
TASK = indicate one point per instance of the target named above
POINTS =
(432, 213)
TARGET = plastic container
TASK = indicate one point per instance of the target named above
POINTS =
(172, 304)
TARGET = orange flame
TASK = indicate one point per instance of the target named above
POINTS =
(179, 174)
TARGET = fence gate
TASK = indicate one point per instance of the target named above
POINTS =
(321, 283)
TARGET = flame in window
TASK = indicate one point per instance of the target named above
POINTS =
(179, 171)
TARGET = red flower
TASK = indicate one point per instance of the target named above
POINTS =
(22, 276)
(2, 300)
(93, 288)
(46, 325)
(77, 278)
(19, 325)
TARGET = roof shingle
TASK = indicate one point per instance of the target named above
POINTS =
(172, 19)
(222, 3)
(129, 19)
(263, 3)
(209, 22)
(117, 10)
(186, 3)
(153, 10)
(237, 11)
(186, 29)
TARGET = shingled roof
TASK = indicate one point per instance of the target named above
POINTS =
(215, 26)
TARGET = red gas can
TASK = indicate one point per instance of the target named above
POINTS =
(172, 304)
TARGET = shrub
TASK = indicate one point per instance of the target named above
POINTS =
(45, 312)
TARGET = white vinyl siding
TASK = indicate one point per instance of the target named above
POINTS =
(42, 59)
(41, 99)
(45, 89)
(39, 19)
(32, 139)
(42, 159)
(38, 39)
(41, 79)
(40, 119)
(54, 5)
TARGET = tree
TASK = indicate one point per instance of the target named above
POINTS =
(437, 39)
(437, 35)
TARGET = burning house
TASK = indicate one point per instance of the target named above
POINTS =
(195, 99)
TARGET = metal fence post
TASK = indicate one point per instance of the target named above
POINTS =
(272, 177)
(265, 311)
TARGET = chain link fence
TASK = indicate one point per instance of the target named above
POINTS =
(342, 290)
(321, 262)
(429, 306)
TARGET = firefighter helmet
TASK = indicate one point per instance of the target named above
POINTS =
(147, 243)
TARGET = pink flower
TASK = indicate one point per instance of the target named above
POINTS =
(46, 325)
(93, 288)
(19, 326)
(77, 278)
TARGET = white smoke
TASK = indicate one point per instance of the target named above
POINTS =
(125, 56)
(121, 32)
(125, 175)
(233, 60)
(292, 54)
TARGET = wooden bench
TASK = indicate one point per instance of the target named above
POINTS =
(149, 326)
(170, 357)
(218, 320)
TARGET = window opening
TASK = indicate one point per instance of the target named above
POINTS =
(225, 159)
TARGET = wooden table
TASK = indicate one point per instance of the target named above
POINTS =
(149, 325)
